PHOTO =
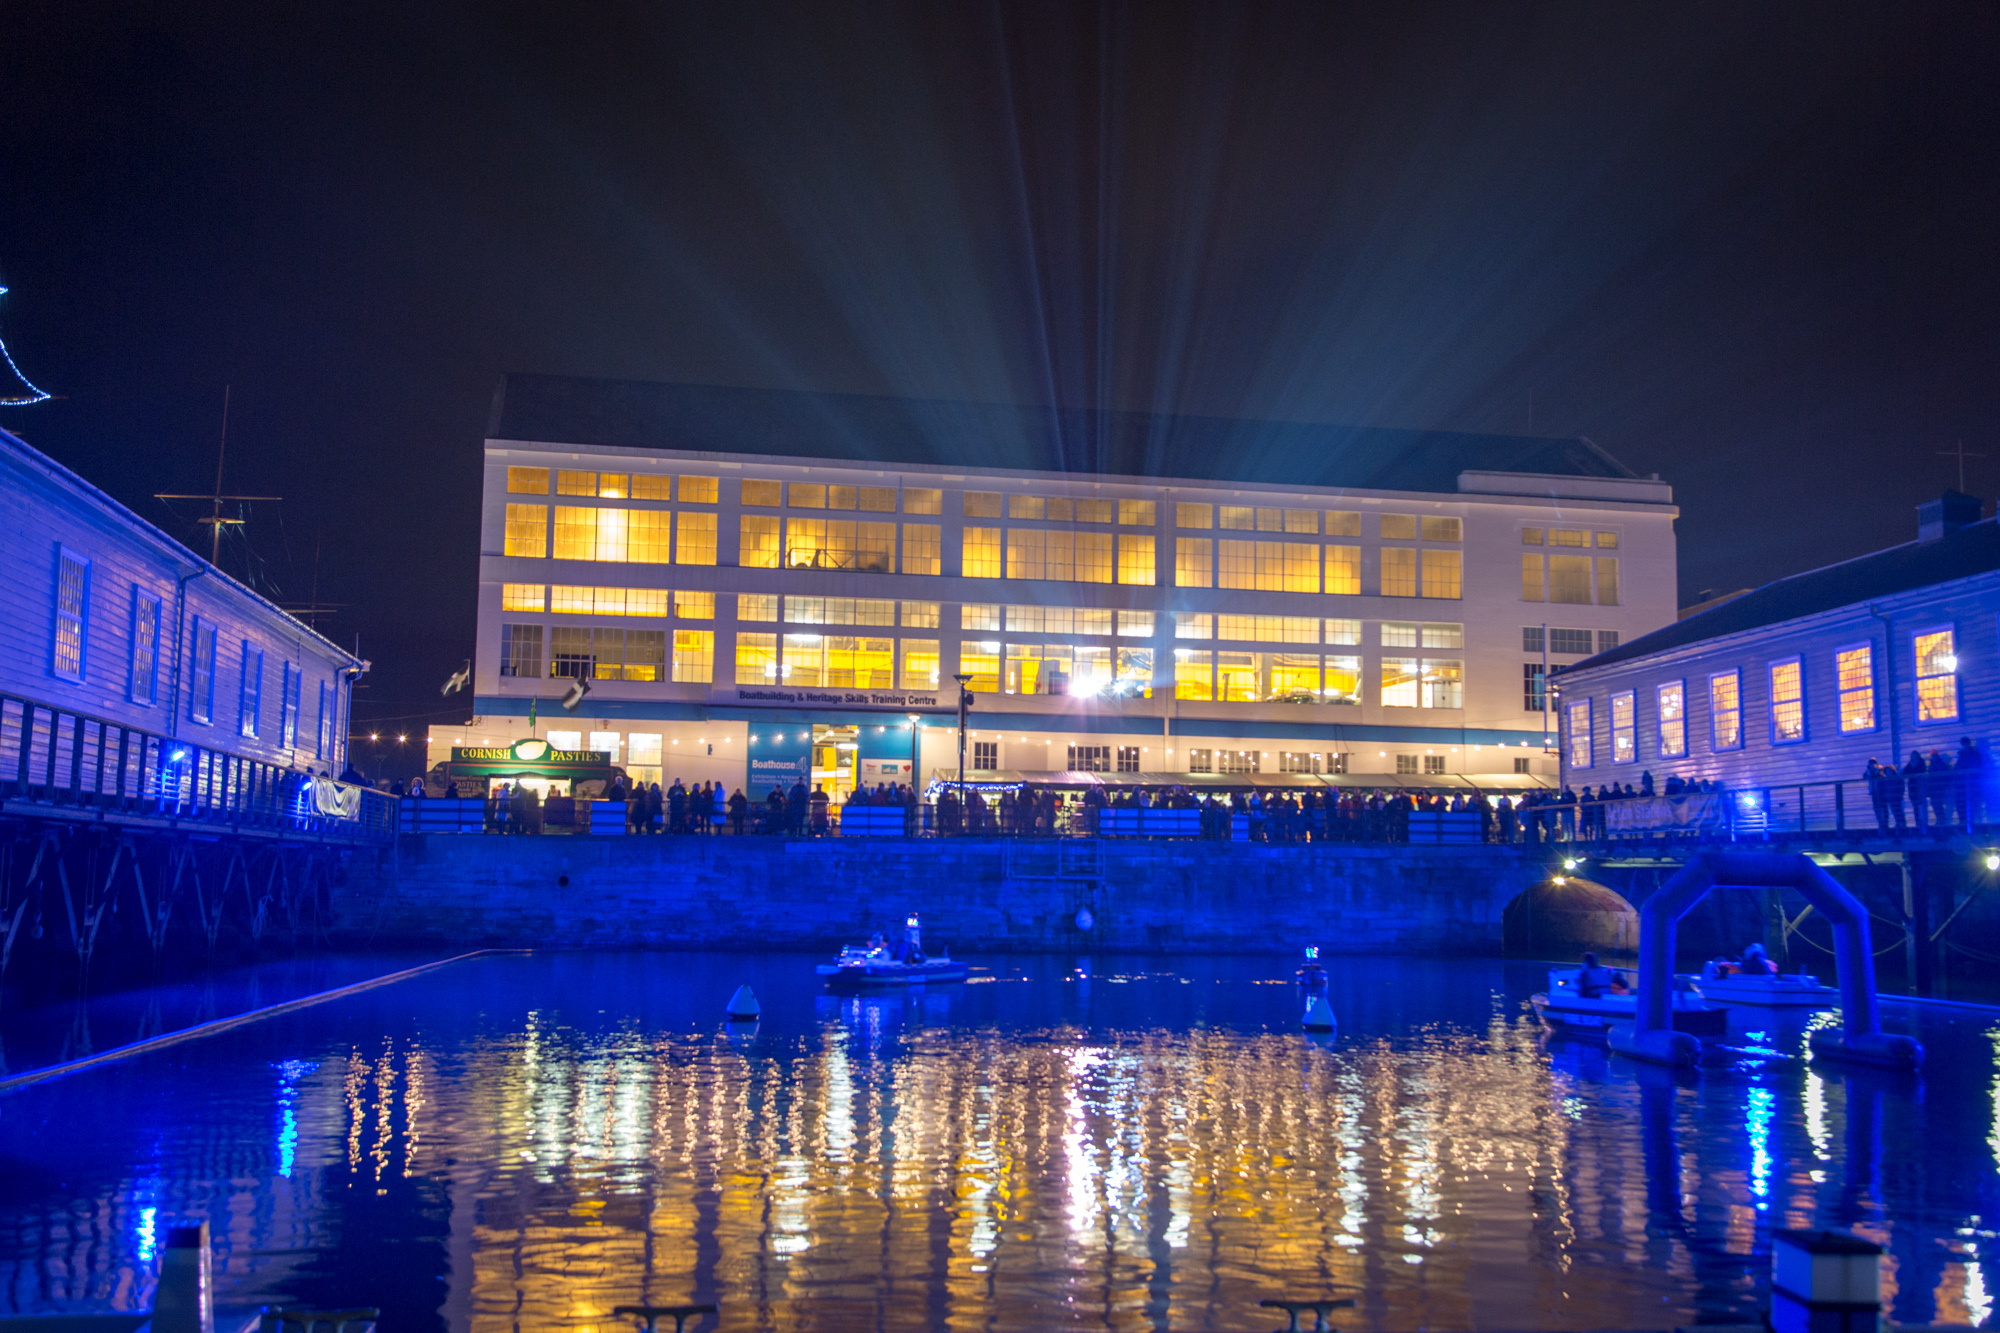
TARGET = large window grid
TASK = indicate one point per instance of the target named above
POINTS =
(72, 603)
(1937, 675)
(1624, 727)
(251, 699)
(1788, 702)
(1672, 698)
(1581, 743)
(1854, 674)
(144, 687)
(521, 651)
(1725, 711)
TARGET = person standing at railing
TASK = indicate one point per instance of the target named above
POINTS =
(1878, 794)
(1914, 786)
(1939, 783)
(1968, 771)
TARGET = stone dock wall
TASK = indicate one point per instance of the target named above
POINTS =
(974, 894)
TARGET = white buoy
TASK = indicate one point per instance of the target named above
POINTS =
(1319, 1015)
(743, 1006)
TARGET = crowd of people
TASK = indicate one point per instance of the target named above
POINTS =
(1941, 791)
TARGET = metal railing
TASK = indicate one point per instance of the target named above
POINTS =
(64, 761)
(1855, 809)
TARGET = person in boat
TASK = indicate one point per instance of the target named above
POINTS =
(1757, 963)
(876, 943)
(1594, 980)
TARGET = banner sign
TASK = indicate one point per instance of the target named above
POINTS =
(838, 698)
(530, 755)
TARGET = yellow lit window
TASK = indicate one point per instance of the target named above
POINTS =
(1194, 625)
(694, 539)
(653, 601)
(923, 548)
(1444, 685)
(756, 606)
(1135, 559)
(1024, 553)
(874, 611)
(528, 481)
(980, 556)
(1194, 674)
(576, 531)
(1237, 677)
(694, 605)
(612, 535)
(1062, 509)
(1569, 579)
(694, 656)
(1194, 516)
(1093, 556)
(920, 615)
(1295, 677)
(767, 493)
(1532, 585)
(805, 659)
(1607, 580)
(523, 597)
(1441, 529)
(1095, 511)
(1135, 624)
(860, 664)
(875, 547)
(648, 487)
(1302, 520)
(757, 541)
(1937, 676)
(1024, 506)
(980, 661)
(1531, 536)
(527, 530)
(1400, 681)
(878, 499)
(1194, 561)
(613, 485)
(647, 535)
(1444, 572)
(1343, 523)
(819, 543)
(982, 504)
(700, 490)
(1607, 541)
(1568, 537)
(1788, 702)
(1343, 680)
(1089, 620)
(1725, 711)
(1135, 667)
(567, 597)
(645, 654)
(1297, 565)
(842, 497)
(1855, 669)
(1399, 527)
(1135, 513)
(1236, 566)
(1343, 570)
(979, 616)
(576, 483)
(808, 495)
(922, 500)
(1239, 518)
(1271, 520)
(1399, 570)
(1343, 631)
(920, 664)
(756, 659)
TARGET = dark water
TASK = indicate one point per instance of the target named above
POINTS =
(522, 1143)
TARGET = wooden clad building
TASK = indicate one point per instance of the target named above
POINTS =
(107, 616)
(1805, 679)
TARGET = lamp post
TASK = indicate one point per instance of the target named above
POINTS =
(964, 712)
(913, 749)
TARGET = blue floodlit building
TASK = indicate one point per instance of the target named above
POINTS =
(109, 620)
(763, 586)
(1805, 679)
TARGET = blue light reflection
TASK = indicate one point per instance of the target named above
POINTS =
(1760, 1107)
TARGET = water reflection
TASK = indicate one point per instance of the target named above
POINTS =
(526, 1143)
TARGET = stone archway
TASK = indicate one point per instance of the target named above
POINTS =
(1860, 1037)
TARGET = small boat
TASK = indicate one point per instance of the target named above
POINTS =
(1726, 980)
(878, 964)
(1562, 1009)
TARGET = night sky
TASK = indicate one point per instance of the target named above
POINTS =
(1750, 247)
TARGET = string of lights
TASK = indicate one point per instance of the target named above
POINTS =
(37, 395)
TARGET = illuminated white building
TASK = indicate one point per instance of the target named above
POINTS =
(754, 591)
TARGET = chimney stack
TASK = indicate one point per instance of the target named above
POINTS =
(1945, 515)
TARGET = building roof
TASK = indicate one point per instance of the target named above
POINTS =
(1972, 549)
(554, 409)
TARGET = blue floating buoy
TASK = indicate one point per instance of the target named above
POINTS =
(743, 1006)
(1084, 920)
(1319, 1015)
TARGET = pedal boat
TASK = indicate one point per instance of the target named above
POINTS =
(1724, 980)
(1563, 1010)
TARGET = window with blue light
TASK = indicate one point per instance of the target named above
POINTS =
(201, 673)
(1577, 717)
(144, 687)
(288, 706)
(71, 614)
(253, 688)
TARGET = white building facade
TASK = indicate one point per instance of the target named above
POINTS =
(757, 617)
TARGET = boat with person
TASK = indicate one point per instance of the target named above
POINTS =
(1725, 979)
(879, 964)
(1565, 1008)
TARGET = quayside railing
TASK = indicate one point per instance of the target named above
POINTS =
(60, 761)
